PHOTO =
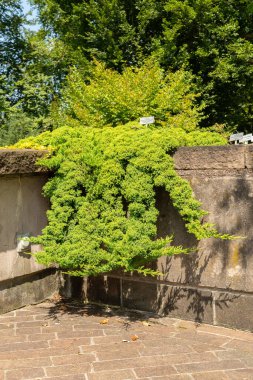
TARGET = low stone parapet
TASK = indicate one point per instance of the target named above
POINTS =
(214, 284)
(22, 213)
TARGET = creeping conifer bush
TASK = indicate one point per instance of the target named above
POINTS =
(103, 192)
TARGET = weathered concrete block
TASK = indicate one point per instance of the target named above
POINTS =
(26, 290)
(139, 295)
(234, 310)
(20, 161)
(22, 210)
(104, 289)
(185, 303)
(168, 300)
(215, 263)
(210, 157)
(249, 156)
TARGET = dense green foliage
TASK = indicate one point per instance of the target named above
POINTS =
(23, 91)
(32, 68)
(105, 97)
(210, 38)
(12, 45)
(11, 40)
(103, 215)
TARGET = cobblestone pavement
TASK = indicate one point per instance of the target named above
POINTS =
(56, 340)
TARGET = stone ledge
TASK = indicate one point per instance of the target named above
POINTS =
(29, 289)
(212, 157)
(204, 305)
(21, 161)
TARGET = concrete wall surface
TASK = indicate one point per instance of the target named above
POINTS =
(215, 283)
(22, 212)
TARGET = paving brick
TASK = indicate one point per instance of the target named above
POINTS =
(209, 366)
(114, 331)
(79, 334)
(206, 338)
(23, 346)
(189, 358)
(40, 337)
(125, 374)
(10, 313)
(92, 325)
(28, 330)
(57, 322)
(69, 342)
(23, 318)
(26, 312)
(68, 370)
(68, 377)
(240, 374)
(164, 349)
(55, 329)
(202, 347)
(6, 326)
(241, 345)
(21, 325)
(223, 331)
(38, 353)
(216, 375)
(112, 347)
(115, 338)
(25, 363)
(9, 332)
(74, 345)
(12, 339)
(144, 361)
(123, 352)
(233, 354)
(25, 373)
(154, 371)
(173, 377)
(73, 359)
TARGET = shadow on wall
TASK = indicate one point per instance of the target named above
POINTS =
(210, 284)
(184, 275)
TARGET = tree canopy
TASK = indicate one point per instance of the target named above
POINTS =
(211, 39)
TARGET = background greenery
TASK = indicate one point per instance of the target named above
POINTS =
(211, 40)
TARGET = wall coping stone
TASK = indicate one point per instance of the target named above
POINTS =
(21, 161)
(214, 157)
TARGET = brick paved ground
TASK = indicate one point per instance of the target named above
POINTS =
(66, 341)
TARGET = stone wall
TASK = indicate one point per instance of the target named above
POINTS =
(22, 211)
(214, 284)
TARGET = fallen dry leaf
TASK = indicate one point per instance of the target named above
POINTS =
(56, 297)
(134, 338)
(104, 321)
